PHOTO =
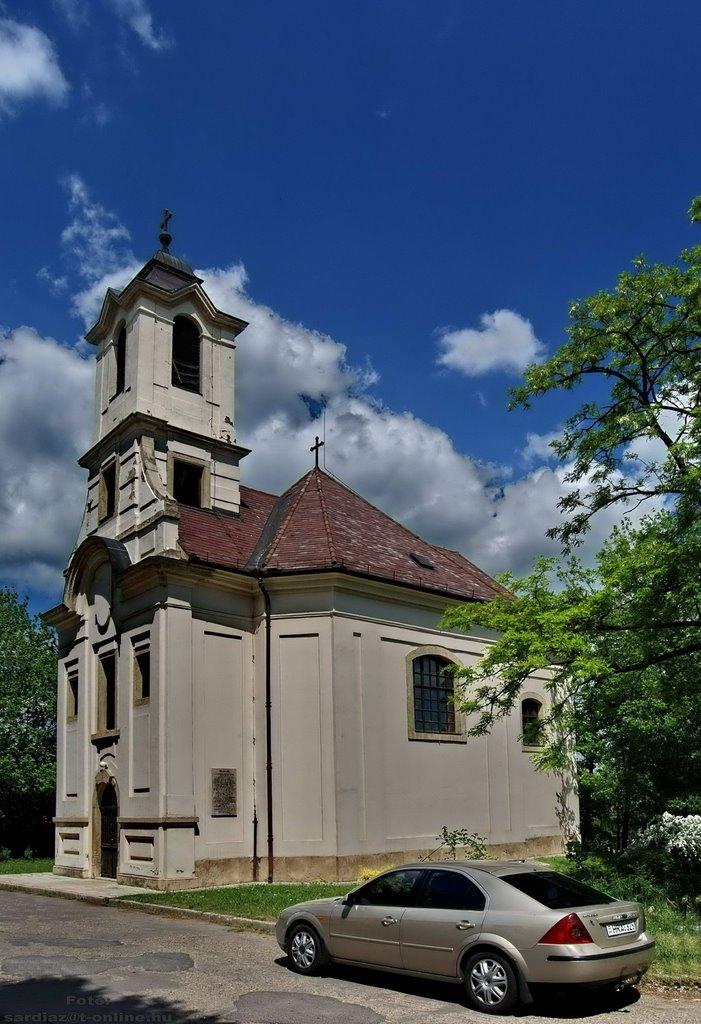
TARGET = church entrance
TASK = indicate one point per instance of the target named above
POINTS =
(109, 833)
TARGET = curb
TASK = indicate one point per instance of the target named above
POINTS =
(159, 910)
(156, 909)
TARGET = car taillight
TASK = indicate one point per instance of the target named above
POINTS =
(567, 932)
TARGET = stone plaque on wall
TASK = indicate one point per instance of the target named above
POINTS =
(224, 793)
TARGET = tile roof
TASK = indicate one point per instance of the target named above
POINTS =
(320, 524)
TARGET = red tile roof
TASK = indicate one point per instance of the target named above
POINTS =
(320, 524)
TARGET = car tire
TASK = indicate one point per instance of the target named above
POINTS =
(491, 985)
(306, 951)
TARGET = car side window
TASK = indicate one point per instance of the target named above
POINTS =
(449, 890)
(397, 889)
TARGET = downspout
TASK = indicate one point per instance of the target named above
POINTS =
(268, 733)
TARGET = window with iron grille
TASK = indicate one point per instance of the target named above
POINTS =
(531, 722)
(186, 354)
(433, 691)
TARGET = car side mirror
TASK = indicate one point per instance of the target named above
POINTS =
(348, 900)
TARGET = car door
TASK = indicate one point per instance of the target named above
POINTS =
(448, 916)
(366, 930)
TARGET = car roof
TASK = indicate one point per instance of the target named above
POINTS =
(491, 867)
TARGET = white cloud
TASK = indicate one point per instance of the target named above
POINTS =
(74, 11)
(406, 466)
(537, 447)
(46, 394)
(28, 66)
(96, 246)
(136, 15)
(504, 341)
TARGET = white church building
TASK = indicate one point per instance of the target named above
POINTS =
(252, 686)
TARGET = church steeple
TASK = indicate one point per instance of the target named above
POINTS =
(164, 401)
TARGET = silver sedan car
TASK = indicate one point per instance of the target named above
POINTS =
(497, 927)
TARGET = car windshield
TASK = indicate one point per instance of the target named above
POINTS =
(556, 891)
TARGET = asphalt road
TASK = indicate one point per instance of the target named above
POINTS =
(62, 960)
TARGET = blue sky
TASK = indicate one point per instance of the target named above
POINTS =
(402, 196)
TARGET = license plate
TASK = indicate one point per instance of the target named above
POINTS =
(621, 929)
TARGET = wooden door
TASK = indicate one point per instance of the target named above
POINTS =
(109, 833)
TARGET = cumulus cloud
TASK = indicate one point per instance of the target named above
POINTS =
(537, 447)
(136, 15)
(292, 383)
(45, 400)
(29, 66)
(503, 341)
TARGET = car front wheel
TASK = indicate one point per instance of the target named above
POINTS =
(305, 950)
(490, 983)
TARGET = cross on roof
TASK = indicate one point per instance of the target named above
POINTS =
(315, 448)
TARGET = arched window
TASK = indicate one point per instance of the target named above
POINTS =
(531, 723)
(120, 353)
(186, 354)
(433, 690)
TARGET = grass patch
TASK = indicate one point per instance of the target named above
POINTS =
(263, 902)
(20, 866)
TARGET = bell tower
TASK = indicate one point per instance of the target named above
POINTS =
(163, 427)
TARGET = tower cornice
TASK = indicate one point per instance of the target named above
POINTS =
(116, 303)
(137, 424)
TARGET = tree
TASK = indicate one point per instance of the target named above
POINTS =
(27, 725)
(620, 643)
(639, 440)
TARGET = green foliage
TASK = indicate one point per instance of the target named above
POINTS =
(20, 866)
(262, 902)
(619, 644)
(636, 436)
(472, 845)
(27, 724)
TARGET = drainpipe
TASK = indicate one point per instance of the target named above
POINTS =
(268, 732)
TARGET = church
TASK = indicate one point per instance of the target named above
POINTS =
(253, 686)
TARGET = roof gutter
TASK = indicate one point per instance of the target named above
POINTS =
(268, 734)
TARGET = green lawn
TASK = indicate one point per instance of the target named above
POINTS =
(20, 866)
(263, 902)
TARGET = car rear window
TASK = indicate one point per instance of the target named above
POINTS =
(556, 891)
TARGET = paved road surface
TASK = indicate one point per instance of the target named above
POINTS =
(61, 960)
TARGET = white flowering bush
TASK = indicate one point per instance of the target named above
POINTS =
(678, 834)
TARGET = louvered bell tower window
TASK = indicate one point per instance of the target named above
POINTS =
(186, 354)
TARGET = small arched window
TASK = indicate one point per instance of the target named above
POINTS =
(531, 722)
(434, 710)
(186, 354)
(120, 353)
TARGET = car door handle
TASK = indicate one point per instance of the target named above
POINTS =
(389, 920)
(462, 926)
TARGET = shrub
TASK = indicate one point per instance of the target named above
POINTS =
(366, 874)
(677, 834)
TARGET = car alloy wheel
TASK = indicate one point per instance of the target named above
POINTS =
(306, 950)
(490, 983)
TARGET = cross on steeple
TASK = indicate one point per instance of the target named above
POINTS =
(165, 237)
(315, 448)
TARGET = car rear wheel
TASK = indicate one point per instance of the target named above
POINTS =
(490, 983)
(306, 950)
